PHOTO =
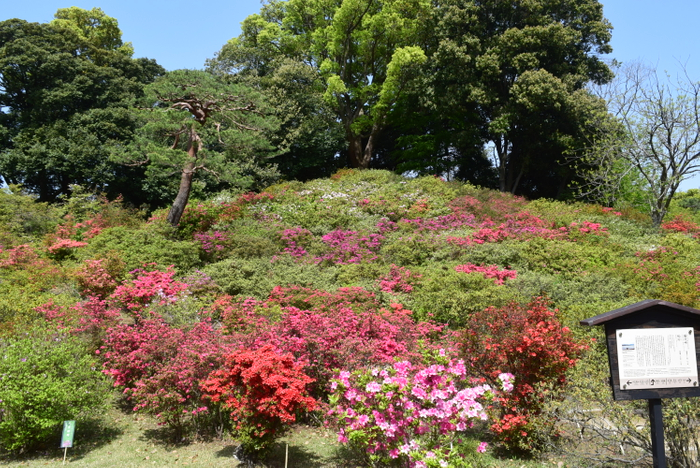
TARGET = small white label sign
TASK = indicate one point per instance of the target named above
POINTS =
(656, 358)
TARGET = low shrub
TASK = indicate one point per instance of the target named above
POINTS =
(326, 331)
(257, 277)
(147, 288)
(136, 247)
(159, 369)
(100, 276)
(411, 415)
(264, 392)
(45, 379)
(448, 296)
(530, 342)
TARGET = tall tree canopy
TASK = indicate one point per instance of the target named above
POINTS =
(194, 122)
(519, 69)
(96, 28)
(309, 138)
(428, 86)
(363, 50)
(64, 98)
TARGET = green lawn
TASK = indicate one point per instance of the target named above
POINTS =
(135, 441)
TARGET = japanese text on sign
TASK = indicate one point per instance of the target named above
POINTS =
(657, 358)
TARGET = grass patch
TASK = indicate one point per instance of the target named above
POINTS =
(127, 440)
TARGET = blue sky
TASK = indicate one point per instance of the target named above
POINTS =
(183, 34)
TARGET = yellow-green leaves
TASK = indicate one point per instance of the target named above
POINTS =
(95, 26)
(398, 71)
(335, 88)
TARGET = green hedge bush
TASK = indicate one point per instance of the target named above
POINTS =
(45, 379)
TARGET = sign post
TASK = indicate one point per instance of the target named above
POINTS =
(653, 354)
(67, 437)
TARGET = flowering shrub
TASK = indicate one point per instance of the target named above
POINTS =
(160, 367)
(399, 280)
(295, 240)
(530, 342)
(90, 318)
(63, 248)
(489, 271)
(99, 277)
(350, 247)
(327, 334)
(440, 223)
(212, 242)
(680, 224)
(263, 390)
(148, 286)
(22, 266)
(18, 257)
(71, 235)
(488, 205)
(524, 226)
(410, 414)
(355, 298)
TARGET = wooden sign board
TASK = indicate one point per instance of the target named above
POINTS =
(653, 350)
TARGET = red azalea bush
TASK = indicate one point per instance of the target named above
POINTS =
(399, 280)
(681, 224)
(263, 390)
(324, 333)
(89, 318)
(489, 271)
(531, 343)
(160, 369)
(19, 257)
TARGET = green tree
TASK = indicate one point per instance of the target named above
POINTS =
(195, 122)
(309, 137)
(365, 52)
(64, 98)
(519, 71)
(95, 27)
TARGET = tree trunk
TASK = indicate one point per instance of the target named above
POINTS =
(361, 150)
(183, 193)
(360, 154)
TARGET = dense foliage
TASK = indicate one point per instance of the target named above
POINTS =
(45, 379)
(346, 276)
(418, 317)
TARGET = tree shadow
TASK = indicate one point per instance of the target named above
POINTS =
(167, 437)
(90, 434)
(296, 456)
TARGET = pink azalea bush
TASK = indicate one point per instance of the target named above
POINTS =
(350, 247)
(295, 240)
(148, 287)
(413, 414)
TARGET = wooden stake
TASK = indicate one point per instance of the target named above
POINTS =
(286, 454)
